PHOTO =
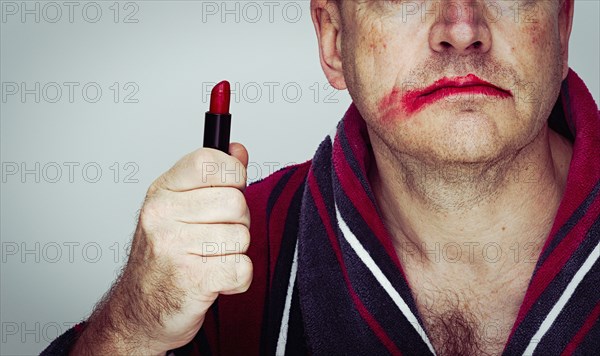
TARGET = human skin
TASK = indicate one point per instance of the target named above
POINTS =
(174, 273)
(444, 173)
(160, 301)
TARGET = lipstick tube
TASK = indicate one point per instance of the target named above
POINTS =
(217, 121)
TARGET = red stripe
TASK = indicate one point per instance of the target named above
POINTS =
(365, 314)
(583, 175)
(277, 220)
(556, 261)
(362, 203)
(584, 170)
(246, 309)
(587, 325)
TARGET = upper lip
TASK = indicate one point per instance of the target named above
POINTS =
(459, 82)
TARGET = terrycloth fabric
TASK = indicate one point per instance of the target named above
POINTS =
(327, 279)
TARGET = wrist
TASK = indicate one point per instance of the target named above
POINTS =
(98, 339)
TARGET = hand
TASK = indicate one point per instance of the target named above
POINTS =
(188, 247)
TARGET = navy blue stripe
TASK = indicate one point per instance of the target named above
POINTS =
(282, 271)
(530, 324)
(321, 169)
(591, 342)
(277, 190)
(371, 243)
(61, 345)
(579, 213)
(564, 88)
(558, 122)
(381, 305)
(574, 313)
(333, 324)
(271, 201)
(296, 342)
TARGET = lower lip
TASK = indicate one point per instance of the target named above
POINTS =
(415, 101)
(398, 104)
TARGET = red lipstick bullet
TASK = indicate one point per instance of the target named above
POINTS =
(217, 120)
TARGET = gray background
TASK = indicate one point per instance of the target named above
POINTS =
(64, 236)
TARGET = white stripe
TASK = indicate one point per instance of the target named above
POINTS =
(381, 278)
(564, 298)
(283, 330)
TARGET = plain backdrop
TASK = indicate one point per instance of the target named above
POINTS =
(99, 98)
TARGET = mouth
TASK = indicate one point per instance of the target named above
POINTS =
(469, 86)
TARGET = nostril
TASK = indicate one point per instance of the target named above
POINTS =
(445, 44)
(477, 44)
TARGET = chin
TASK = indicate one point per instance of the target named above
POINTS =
(468, 137)
(469, 152)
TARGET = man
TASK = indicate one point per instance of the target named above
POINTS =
(454, 211)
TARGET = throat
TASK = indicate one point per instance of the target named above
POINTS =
(489, 223)
(449, 188)
(512, 198)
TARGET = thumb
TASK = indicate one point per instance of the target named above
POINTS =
(238, 151)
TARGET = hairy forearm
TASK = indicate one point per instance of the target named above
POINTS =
(107, 331)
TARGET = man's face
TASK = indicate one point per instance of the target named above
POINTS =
(454, 81)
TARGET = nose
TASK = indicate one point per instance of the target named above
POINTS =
(460, 27)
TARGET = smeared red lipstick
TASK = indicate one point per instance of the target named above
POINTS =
(410, 101)
(415, 100)
(217, 121)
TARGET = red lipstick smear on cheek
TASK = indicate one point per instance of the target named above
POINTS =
(398, 104)
(391, 106)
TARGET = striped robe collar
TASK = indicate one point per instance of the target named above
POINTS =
(342, 286)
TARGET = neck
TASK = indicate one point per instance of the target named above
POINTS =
(457, 215)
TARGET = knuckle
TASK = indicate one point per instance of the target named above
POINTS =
(243, 237)
(243, 176)
(155, 185)
(226, 277)
(232, 172)
(211, 281)
(152, 188)
(149, 215)
(231, 274)
(161, 182)
(244, 272)
(159, 229)
(204, 162)
(236, 203)
(154, 208)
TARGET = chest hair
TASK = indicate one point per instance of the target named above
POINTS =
(465, 322)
